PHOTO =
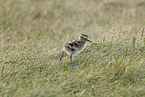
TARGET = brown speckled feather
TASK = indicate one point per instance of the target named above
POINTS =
(76, 46)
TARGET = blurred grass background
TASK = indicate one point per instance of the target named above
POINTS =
(33, 33)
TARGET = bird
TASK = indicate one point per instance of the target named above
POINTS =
(74, 47)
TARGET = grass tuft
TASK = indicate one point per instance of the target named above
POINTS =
(32, 36)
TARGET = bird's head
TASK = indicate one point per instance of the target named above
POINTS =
(84, 38)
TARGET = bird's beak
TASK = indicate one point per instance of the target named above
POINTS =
(89, 40)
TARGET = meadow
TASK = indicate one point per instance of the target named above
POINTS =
(32, 36)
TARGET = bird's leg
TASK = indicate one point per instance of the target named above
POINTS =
(74, 65)
(61, 56)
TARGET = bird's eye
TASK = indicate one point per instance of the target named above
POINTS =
(85, 39)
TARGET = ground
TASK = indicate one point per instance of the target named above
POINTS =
(32, 36)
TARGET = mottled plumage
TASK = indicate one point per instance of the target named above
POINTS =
(74, 47)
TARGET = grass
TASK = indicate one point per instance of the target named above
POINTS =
(33, 33)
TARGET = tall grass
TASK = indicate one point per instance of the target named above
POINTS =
(33, 33)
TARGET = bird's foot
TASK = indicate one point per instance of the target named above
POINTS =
(74, 65)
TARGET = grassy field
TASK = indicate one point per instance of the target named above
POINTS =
(33, 33)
